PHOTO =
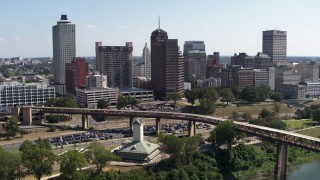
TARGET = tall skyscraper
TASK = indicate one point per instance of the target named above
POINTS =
(146, 58)
(167, 66)
(194, 54)
(274, 44)
(116, 63)
(64, 50)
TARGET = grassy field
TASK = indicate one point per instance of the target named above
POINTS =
(315, 132)
(254, 109)
(314, 102)
(299, 124)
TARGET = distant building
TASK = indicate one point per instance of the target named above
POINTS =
(274, 44)
(286, 75)
(143, 83)
(13, 94)
(242, 60)
(141, 95)
(89, 98)
(194, 54)
(138, 150)
(96, 81)
(210, 82)
(186, 86)
(76, 73)
(242, 77)
(116, 63)
(64, 50)
(167, 67)
(309, 71)
(213, 65)
(261, 61)
(292, 91)
(146, 58)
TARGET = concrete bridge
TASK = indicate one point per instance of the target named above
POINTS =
(284, 138)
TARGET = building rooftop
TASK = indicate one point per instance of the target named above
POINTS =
(128, 90)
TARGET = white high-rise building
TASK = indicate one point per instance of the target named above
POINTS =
(64, 50)
(146, 58)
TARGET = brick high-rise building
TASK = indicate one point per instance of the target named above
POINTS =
(274, 44)
(76, 73)
(64, 50)
(167, 66)
(116, 63)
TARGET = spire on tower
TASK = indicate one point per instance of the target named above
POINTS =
(159, 22)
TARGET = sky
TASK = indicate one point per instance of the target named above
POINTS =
(226, 26)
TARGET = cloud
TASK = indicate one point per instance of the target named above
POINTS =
(122, 27)
(91, 26)
(2, 39)
(132, 24)
(17, 38)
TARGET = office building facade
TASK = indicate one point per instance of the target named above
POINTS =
(116, 63)
(64, 50)
(14, 93)
(167, 66)
(146, 58)
(76, 73)
(274, 44)
(194, 54)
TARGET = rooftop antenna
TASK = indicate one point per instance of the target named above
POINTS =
(159, 22)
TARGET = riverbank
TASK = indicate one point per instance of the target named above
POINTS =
(297, 157)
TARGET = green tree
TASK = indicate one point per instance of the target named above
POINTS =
(191, 96)
(103, 104)
(264, 113)
(277, 124)
(275, 96)
(62, 102)
(262, 93)
(277, 108)
(227, 95)
(174, 96)
(246, 116)
(99, 156)
(207, 106)
(10, 165)
(316, 115)
(38, 158)
(249, 94)
(224, 133)
(70, 163)
(12, 127)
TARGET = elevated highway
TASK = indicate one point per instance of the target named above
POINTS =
(284, 138)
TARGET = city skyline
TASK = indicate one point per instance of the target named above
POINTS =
(227, 27)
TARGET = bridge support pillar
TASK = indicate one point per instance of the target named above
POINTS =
(130, 122)
(27, 116)
(191, 128)
(16, 112)
(281, 168)
(85, 121)
(158, 126)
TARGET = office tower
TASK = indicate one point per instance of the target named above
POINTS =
(213, 65)
(146, 58)
(64, 50)
(116, 63)
(76, 73)
(194, 59)
(274, 44)
(98, 44)
(167, 66)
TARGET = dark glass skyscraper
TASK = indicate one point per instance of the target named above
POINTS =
(167, 65)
